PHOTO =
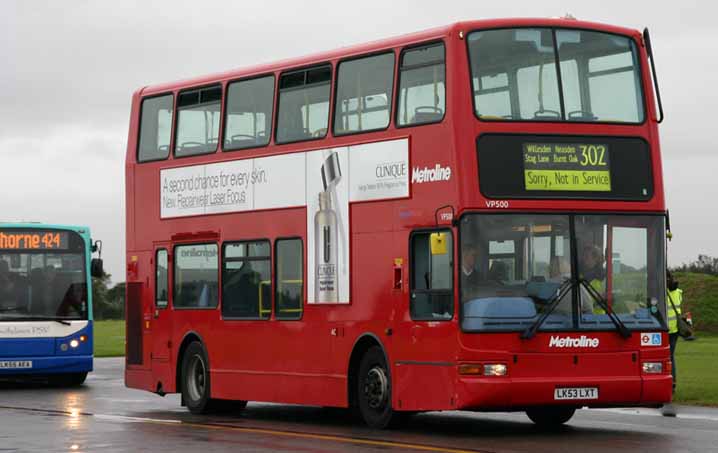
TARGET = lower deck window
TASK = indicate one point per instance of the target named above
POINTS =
(246, 280)
(289, 279)
(195, 276)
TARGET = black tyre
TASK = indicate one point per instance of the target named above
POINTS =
(195, 379)
(196, 384)
(374, 390)
(550, 417)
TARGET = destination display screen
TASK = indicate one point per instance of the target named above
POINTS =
(567, 166)
(516, 166)
(34, 240)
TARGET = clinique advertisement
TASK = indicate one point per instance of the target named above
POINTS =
(328, 226)
(326, 181)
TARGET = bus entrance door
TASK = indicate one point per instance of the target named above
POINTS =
(161, 319)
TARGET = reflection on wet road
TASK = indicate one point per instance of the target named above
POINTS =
(105, 415)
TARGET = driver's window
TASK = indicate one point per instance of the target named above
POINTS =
(422, 88)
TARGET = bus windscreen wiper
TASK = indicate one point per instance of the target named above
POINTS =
(596, 296)
(552, 303)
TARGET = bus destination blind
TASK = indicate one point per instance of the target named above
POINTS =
(34, 240)
(566, 167)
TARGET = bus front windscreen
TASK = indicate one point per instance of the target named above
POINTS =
(544, 74)
(42, 275)
(517, 267)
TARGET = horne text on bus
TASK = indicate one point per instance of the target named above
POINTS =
(466, 218)
(46, 302)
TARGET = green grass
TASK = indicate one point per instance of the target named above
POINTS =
(695, 360)
(697, 370)
(109, 338)
(700, 297)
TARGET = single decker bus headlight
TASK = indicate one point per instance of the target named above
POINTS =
(483, 369)
(652, 367)
(74, 343)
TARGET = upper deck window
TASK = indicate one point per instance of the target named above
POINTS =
(249, 113)
(198, 121)
(541, 74)
(422, 89)
(155, 128)
(364, 90)
(304, 104)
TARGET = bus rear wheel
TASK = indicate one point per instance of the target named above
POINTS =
(550, 417)
(374, 390)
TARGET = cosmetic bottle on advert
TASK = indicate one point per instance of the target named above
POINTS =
(326, 242)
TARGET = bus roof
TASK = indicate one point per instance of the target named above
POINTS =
(403, 40)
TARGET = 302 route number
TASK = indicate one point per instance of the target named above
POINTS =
(593, 155)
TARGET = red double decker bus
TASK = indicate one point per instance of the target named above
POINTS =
(466, 218)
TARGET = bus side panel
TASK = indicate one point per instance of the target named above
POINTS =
(424, 386)
(290, 388)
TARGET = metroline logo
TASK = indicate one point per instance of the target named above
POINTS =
(426, 174)
(570, 342)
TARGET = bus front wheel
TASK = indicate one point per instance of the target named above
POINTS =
(550, 417)
(374, 390)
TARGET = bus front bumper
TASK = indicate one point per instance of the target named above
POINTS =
(506, 393)
(10, 366)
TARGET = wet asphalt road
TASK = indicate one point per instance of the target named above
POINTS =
(105, 416)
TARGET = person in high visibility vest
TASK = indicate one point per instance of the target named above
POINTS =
(675, 298)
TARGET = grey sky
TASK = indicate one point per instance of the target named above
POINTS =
(68, 70)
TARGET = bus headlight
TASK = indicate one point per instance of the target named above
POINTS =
(483, 369)
(74, 343)
(652, 367)
(495, 369)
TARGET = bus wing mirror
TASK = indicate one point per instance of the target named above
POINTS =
(96, 269)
